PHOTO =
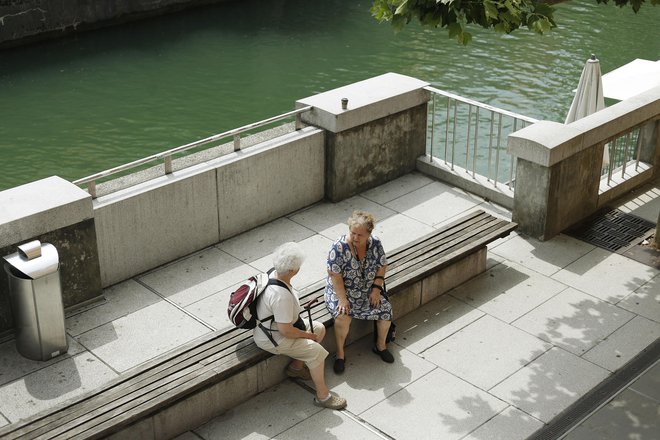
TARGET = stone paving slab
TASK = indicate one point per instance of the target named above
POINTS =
(396, 188)
(142, 335)
(335, 425)
(197, 276)
(259, 242)
(507, 291)
(438, 403)
(212, 310)
(434, 204)
(14, 366)
(52, 385)
(368, 381)
(315, 249)
(330, 219)
(120, 300)
(544, 257)
(629, 416)
(574, 321)
(399, 230)
(549, 384)
(649, 383)
(510, 424)
(644, 301)
(624, 344)
(293, 404)
(486, 352)
(605, 275)
(433, 322)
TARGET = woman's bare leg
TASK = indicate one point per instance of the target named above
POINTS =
(382, 328)
(342, 325)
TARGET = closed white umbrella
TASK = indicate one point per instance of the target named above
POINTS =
(589, 97)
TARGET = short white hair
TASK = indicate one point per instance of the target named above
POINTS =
(288, 257)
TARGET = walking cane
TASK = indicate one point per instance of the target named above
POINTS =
(308, 307)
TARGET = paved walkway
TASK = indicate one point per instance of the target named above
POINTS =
(496, 358)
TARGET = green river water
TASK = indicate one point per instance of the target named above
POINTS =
(76, 106)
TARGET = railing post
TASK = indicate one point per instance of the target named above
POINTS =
(168, 164)
(91, 188)
(237, 142)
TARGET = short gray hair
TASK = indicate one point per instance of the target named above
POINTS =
(288, 257)
(362, 218)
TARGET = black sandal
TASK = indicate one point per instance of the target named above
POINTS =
(339, 366)
(385, 355)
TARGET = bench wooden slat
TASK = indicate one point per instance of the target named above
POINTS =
(119, 390)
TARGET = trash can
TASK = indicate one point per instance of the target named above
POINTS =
(35, 294)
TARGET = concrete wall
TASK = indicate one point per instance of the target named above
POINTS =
(156, 222)
(25, 21)
(558, 171)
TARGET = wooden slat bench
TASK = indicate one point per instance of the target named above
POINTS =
(183, 388)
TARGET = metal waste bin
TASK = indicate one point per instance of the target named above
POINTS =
(35, 294)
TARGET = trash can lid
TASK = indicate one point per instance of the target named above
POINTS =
(34, 259)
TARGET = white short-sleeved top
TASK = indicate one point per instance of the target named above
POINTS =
(283, 304)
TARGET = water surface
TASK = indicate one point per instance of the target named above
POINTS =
(82, 104)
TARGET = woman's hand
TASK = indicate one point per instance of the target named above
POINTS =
(343, 307)
(374, 297)
(314, 337)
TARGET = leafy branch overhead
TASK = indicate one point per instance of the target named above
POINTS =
(501, 15)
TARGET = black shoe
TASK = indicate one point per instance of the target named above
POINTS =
(338, 366)
(385, 355)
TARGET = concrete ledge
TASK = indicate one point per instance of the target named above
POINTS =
(42, 206)
(368, 100)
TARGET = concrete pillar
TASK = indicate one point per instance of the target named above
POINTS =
(556, 178)
(54, 211)
(377, 137)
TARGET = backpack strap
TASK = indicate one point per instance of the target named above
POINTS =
(268, 331)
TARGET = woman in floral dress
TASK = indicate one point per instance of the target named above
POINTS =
(355, 285)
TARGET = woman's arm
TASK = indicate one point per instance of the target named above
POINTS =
(289, 331)
(378, 286)
(340, 290)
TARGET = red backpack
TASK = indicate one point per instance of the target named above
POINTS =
(242, 308)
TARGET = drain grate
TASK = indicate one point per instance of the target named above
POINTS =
(613, 230)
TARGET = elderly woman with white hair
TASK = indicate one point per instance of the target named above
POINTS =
(289, 332)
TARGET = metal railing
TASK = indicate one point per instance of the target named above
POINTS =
(459, 139)
(166, 156)
(621, 153)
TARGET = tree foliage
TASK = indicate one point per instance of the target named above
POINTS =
(455, 15)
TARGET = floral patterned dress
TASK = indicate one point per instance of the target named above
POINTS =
(358, 277)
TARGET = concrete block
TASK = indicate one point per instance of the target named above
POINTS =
(53, 211)
(368, 100)
(406, 300)
(454, 275)
(39, 207)
(193, 411)
(269, 181)
(363, 157)
(144, 430)
(271, 372)
(150, 224)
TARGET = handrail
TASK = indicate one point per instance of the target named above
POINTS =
(480, 104)
(167, 155)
